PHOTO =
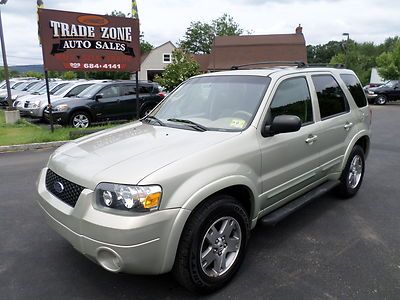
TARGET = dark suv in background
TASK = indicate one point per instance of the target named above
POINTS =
(387, 92)
(106, 101)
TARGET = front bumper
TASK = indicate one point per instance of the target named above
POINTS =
(141, 244)
(31, 112)
(58, 117)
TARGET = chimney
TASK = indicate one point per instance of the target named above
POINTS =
(299, 29)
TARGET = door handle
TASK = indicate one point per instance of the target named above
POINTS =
(311, 139)
(348, 125)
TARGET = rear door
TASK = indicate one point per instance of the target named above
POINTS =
(128, 99)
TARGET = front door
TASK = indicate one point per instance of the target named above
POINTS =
(289, 160)
(109, 103)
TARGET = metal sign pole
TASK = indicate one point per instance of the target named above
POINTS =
(46, 76)
(137, 94)
(5, 65)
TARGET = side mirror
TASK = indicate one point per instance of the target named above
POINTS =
(98, 96)
(282, 124)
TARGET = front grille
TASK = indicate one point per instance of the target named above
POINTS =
(69, 193)
(26, 104)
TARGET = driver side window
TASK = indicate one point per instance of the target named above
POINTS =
(110, 92)
(292, 98)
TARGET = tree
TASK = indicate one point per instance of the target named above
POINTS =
(199, 36)
(182, 67)
(69, 75)
(389, 63)
(145, 46)
(323, 53)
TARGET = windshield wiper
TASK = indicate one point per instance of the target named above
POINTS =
(154, 119)
(195, 125)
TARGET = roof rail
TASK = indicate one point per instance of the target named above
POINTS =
(299, 64)
(327, 65)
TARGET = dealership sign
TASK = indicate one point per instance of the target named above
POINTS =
(82, 42)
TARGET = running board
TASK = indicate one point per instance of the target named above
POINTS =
(279, 214)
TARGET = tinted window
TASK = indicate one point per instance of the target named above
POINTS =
(77, 90)
(355, 89)
(110, 91)
(292, 98)
(145, 89)
(331, 98)
(129, 90)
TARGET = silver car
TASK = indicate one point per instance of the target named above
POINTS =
(181, 189)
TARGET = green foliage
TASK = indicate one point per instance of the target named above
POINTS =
(389, 62)
(199, 36)
(145, 46)
(118, 13)
(324, 53)
(34, 74)
(69, 75)
(182, 68)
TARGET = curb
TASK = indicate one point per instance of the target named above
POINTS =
(34, 146)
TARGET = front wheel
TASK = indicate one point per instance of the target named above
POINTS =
(381, 100)
(80, 119)
(353, 174)
(212, 245)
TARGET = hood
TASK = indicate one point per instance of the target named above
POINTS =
(129, 153)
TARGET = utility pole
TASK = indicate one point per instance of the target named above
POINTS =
(5, 65)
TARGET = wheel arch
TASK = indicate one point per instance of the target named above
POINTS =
(238, 189)
(363, 140)
(81, 109)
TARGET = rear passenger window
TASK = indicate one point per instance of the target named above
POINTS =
(331, 98)
(355, 89)
(293, 98)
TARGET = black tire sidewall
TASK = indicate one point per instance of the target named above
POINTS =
(223, 206)
(382, 97)
(74, 114)
(348, 191)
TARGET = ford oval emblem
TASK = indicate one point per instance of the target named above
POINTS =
(58, 187)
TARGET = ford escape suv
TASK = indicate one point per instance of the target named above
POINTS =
(181, 189)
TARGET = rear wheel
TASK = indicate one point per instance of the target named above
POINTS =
(381, 100)
(146, 110)
(353, 174)
(212, 245)
(80, 119)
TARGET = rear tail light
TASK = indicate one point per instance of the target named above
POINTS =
(161, 94)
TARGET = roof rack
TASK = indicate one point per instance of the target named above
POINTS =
(299, 64)
(327, 65)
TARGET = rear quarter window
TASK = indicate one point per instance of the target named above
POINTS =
(355, 89)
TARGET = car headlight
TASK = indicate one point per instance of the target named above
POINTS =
(371, 92)
(61, 107)
(33, 105)
(132, 198)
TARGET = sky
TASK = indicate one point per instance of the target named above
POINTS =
(167, 20)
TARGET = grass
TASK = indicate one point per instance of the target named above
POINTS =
(24, 132)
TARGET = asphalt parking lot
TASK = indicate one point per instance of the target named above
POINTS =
(329, 249)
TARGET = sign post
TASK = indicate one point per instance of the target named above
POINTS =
(85, 42)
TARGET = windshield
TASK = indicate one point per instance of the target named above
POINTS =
(64, 89)
(43, 89)
(36, 87)
(225, 103)
(22, 86)
(391, 83)
(16, 85)
(90, 91)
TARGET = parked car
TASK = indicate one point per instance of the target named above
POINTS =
(105, 101)
(15, 87)
(35, 108)
(54, 86)
(181, 189)
(387, 92)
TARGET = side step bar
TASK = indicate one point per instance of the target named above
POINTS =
(279, 214)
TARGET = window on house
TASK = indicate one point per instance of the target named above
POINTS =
(167, 58)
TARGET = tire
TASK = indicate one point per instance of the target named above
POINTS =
(381, 100)
(353, 174)
(80, 119)
(145, 111)
(202, 235)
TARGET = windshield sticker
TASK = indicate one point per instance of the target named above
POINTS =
(238, 123)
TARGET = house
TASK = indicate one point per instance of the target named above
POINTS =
(237, 50)
(154, 62)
